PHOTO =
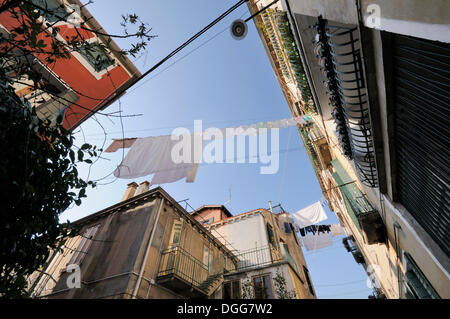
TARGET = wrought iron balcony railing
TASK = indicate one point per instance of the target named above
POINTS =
(339, 55)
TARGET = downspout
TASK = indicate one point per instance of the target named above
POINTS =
(159, 261)
(149, 244)
(397, 248)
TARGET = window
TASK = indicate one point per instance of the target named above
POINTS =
(308, 280)
(82, 249)
(174, 243)
(232, 290)
(207, 256)
(208, 221)
(96, 55)
(271, 236)
(287, 228)
(262, 286)
(52, 10)
(175, 236)
(50, 95)
(417, 285)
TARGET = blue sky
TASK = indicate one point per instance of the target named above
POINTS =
(226, 83)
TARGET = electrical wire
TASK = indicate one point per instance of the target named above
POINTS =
(125, 87)
(344, 293)
(341, 284)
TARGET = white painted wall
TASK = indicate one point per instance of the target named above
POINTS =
(243, 232)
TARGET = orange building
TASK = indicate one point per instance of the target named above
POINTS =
(79, 85)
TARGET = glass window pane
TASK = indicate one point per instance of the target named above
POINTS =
(236, 289)
(95, 55)
(227, 290)
(259, 289)
(268, 287)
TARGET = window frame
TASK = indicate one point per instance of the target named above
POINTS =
(85, 54)
(232, 284)
(83, 247)
(180, 224)
(261, 277)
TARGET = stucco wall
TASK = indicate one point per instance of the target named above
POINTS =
(112, 255)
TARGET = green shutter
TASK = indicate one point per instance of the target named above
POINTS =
(350, 210)
(417, 281)
(356, 202)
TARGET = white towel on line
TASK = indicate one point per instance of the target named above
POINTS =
(311, 215)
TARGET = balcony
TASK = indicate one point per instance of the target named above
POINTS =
(181, 272)
(366, 219)
(262, 257)
(337, 48)
(295, 61)
(323, 151)
(317, 146)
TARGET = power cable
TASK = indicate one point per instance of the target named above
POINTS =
(125, 87)
(341, 284)
(344, 294)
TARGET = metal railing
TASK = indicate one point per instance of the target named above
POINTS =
(255, 257)
(260, 257)
(176, 261)
(340, 58)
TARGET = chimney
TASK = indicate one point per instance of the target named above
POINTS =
(131, 188)
(143, 187)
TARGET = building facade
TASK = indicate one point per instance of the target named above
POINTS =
(77, 86)
(373, 77)
(271, 262)
(146, 246)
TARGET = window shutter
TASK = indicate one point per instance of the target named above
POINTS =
(83, 247)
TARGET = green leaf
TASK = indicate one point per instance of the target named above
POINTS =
(80, 155)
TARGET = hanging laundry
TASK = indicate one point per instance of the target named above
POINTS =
(120, 143)
(324, 228)
(153, 155)
(314, 229)
(336, 230)
(302, 232)
(237, 130)
(310, 215)
(311, 229)
(317, 241)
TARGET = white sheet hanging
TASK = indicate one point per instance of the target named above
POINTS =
(317, 241)
(153, 155)
(310, 215)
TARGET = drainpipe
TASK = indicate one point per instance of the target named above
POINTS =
(149, 244)
(397, 227)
